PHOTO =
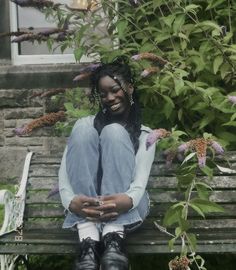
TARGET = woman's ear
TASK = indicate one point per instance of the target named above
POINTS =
(130, 89)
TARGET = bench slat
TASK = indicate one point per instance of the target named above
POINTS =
(56, 223)
(56, 210)
(160, 182)
(158, 196)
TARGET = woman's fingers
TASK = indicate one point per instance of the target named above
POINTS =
(92, 213)
(87, 201)
(108, 216)
(108, 207)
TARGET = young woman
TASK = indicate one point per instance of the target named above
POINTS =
(104, 171)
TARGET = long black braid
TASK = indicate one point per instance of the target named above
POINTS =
(115, 70)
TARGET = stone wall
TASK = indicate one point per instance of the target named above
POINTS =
(18, 108)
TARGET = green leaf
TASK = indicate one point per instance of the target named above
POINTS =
(178, 231)
(207, 206)
(230, 123)
(208, 171)
(207, 119)
(191, 7)
(171, 243)
(197, 209)
(178, 23)
(172, 216)
(78, 52)
(202, 192)
(184, 224)
(168, 107)
(121, 28)
(179, 84)
(209, 25)
(69, 106)
(224, 70)
(233, 117)
(214, 3)
(168, 20)
(192, 240)
(188, 157)
(225, 170)
(203, 184)
(185, 180)
(217, 63)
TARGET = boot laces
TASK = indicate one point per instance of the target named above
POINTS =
(87, 244)
(113, 239)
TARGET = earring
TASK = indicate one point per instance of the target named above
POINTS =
(131, 100)
(104, 110)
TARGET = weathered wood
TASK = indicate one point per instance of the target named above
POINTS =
(138, 242)
(213, 224)
(160, 182)
(44, 215)
(157, 196)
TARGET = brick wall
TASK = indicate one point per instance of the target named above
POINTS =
(17, 109)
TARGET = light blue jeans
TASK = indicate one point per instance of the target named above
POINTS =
(112, 151)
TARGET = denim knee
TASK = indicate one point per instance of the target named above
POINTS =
(83, 134)
(114, 132)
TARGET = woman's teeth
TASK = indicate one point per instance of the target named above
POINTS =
(115, 107)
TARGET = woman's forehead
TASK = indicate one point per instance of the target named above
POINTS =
(107, 81)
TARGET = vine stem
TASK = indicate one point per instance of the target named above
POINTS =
(186, 206)
(230, 21)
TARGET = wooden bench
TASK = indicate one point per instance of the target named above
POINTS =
(33, 220)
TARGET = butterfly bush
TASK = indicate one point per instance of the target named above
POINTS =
(86, 72)
(181, 263)
(149, 71)
(150, 56)
(232, 99)
(155, 135)
(200, 146)
(46, 120)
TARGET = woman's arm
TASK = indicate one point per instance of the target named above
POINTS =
(144, 160)
(65, 189)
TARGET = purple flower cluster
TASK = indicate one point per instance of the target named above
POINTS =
(217, 147)
(20, 131)
(232, 99)
(155, 135)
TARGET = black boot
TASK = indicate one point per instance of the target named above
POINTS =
(114, 257)
(88, 256)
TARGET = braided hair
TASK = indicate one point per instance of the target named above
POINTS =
(115, 71)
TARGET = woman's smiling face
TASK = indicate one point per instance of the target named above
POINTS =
(113, 97)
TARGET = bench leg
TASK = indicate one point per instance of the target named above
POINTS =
(11, 262)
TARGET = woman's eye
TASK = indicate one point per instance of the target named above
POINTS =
(102, 95)
(115, 90)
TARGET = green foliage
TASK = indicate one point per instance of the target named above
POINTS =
(197, 38)
(77, 105)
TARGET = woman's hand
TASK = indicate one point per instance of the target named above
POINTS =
(91, 208)
(122, 203)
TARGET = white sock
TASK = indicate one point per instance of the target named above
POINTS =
(113, 228)
(88, 229)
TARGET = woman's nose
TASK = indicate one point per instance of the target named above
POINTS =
(110, 96)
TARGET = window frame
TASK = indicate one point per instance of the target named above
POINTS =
(18, 59)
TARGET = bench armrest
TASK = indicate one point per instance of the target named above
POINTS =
(6, 198)
(15, 203)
